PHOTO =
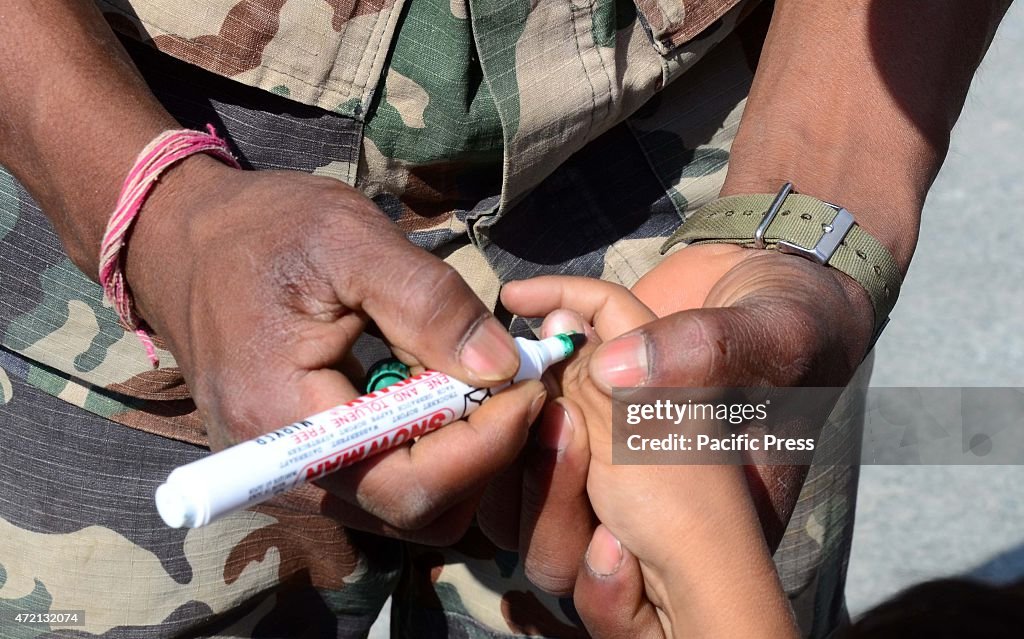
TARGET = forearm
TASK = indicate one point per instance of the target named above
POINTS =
(74, 113)
(854, 100)
(714, 576)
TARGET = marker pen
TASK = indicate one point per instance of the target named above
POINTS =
(256, 470)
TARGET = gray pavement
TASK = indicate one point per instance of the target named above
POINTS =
(959, 322)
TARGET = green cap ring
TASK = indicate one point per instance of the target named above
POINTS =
(385, 373)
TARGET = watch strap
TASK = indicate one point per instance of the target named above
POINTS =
(801, 225)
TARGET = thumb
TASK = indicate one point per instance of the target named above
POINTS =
(609, 594)
(425, 308)
(758, 342)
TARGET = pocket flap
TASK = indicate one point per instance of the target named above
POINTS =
(675, 22)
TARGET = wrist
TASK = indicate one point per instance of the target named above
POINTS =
(887, 209)
(160, 253)
(735, 593)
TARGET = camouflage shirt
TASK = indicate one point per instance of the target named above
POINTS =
(331, 53)
(448, 113)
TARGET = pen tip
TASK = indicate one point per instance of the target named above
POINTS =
(578, 340)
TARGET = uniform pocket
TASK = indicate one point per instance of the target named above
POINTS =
(672, 23)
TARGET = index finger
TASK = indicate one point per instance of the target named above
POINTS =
(610, 308)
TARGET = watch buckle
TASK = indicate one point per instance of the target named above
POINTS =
(833, 233)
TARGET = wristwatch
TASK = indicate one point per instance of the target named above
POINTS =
(802, 225)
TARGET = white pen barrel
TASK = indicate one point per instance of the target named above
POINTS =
(232, 479)
(252, 472)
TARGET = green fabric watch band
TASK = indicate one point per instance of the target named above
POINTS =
(801, 225)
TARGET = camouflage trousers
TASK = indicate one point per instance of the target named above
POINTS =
(78, 529)
(78, 532)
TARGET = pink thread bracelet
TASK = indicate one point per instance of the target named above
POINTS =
(169, 148)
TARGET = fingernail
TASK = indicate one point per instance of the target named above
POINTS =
(604, 554)
(621, 362)
(537, 405)
(562, 321)
(555, 431)
(489, 353)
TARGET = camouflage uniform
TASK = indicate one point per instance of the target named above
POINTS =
(510, 138)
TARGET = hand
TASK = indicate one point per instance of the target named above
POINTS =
(540, 506)
(614, 602)
(260, 282)
(689, 532)
(752, 318)
(721, 507)
(745, 318)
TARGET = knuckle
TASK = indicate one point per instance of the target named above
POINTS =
(436, 283)
(430, 283)
(414, 510)
(411, 520)
(435, 293)
(708, 346)
(340, 241)
(735, 347)
(552, 577)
